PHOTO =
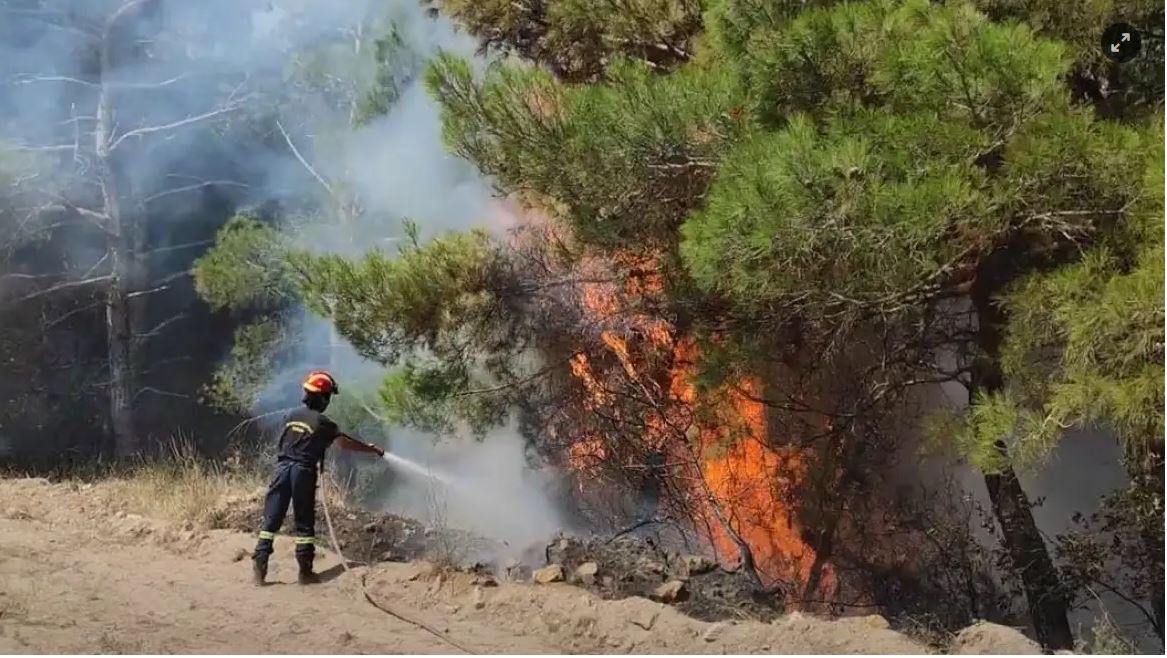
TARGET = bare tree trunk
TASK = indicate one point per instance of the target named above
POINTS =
(833, 501)
(120, 342)
(118, 315)
(1048, 607)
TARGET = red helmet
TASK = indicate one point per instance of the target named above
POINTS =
(320, 381)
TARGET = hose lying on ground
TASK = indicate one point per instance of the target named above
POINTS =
(365, 590)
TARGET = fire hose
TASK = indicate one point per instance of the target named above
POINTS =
(369, 597)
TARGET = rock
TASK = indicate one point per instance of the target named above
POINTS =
(985, 638)
(695, 565)
(478, 598)
(672, 591)
(552, 573)
(484, 580)
(608, 582)
(586, 573)
(652, 567)
(644, 617)
(875, 621)
(240, 554)
(713, 633)
(556, 551)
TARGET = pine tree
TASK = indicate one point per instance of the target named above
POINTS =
(829, 166)
(923, 159)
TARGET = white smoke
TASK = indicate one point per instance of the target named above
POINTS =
(217, 52)
(399, 169)
(482, 487)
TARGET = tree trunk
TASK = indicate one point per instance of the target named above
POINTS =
(1048, 607)
(1150, 474)
(833, 501)
(120, 338)
(1043, 592)
(121, 365)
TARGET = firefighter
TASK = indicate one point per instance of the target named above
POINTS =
(306, 435)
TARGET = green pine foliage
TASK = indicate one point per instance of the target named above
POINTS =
(578, 39)
(1130, 90)
(1085, 345)
(388, 305)
(863, 155)
(836, 216)
(248, 268)
(441, 314)
(236, 386)
(625, 160)
(936, 138)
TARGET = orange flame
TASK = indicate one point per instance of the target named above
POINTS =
(745, 477)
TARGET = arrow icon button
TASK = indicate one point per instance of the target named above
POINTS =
(1121, 43)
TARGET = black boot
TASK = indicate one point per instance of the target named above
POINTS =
(307, 576)
(259, 569)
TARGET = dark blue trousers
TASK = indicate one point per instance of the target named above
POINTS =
(293, 483)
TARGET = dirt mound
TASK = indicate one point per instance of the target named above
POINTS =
(569, 620)
(81, 574)
(629, 566)
(984, 638)
(624, 567)
(368, 537)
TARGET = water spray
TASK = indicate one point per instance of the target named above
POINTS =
(416, 469)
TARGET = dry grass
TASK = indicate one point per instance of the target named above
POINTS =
(1105, 638)
(183, 486)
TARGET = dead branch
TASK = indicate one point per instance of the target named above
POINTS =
(177, 247)
(91, 270)
(174, 125)
(25, 80)
(248, 421)
(160, 327)
(62, 286)
(88, 307)
(160, 285)
(296, 152)
(158, 391)
(189, 188)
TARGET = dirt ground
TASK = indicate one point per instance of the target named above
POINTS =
(79, 576)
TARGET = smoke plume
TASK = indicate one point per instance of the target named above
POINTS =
(219, 71)
(397, 167)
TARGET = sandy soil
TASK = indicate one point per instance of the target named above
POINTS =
(77, 576)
